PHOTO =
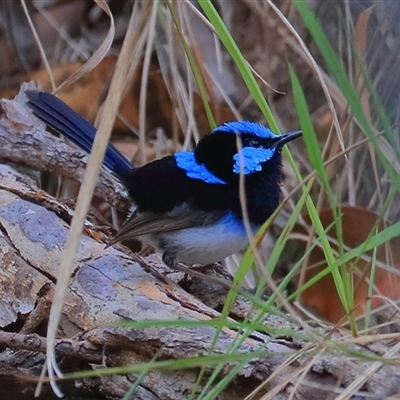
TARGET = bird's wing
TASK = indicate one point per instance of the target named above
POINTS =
(181, 217)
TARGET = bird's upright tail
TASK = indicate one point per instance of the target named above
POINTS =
(56, 114)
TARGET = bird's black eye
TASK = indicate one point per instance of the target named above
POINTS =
(254, 143)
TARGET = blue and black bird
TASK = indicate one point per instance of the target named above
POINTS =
(187, 204)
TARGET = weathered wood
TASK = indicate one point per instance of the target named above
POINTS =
(25, 142)
(108, 286)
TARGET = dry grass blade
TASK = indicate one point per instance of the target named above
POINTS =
(358, 383)
(98, 55)
(301, 371)
(335, 139)
(360, 40)
(39, 44)
(303, 51)
(79, 50)
(145, 78)
(95, 161)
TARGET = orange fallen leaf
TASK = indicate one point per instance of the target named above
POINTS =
(357, 224)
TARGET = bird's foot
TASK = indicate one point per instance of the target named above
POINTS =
(216, 267)
(169, 259)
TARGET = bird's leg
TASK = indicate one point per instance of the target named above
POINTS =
(217, 267)
(195, 273)
(169, 259)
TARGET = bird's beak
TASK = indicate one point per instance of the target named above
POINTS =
(287, 137)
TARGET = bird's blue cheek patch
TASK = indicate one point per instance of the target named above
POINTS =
(186, 161)
(251, 159)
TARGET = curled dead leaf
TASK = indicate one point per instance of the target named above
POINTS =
(357, 224)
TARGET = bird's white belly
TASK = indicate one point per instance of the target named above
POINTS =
(202, 245)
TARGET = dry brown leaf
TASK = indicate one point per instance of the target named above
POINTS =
(357, 224)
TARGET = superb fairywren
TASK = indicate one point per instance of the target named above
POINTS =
(187, 204)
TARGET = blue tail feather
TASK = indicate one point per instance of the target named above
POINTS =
(70, 124)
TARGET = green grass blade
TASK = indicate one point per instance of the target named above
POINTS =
(241, 63)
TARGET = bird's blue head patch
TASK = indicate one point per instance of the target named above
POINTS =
(250, 159)
(215, 159)
(252, 155)
(186, 161)
(251, 128)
